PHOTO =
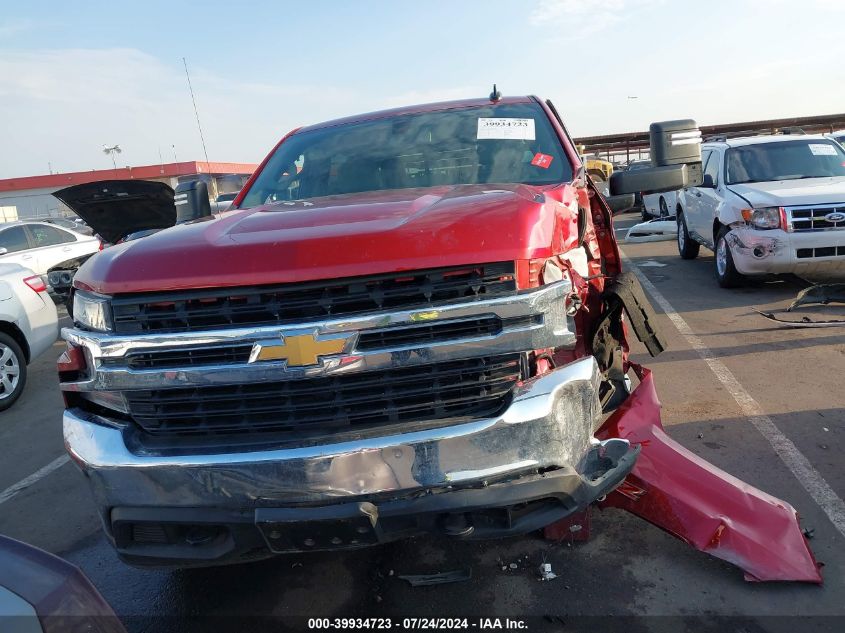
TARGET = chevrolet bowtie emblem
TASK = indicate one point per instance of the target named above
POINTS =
(298, 350)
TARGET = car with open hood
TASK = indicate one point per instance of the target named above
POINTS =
(126, 210)
(768, 205)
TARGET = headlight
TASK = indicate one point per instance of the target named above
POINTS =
(763, 218)
(92, 311)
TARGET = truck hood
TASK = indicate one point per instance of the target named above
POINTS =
(787, 193)
(342, 236)
(116, 208)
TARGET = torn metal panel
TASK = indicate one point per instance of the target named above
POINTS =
(438, 578)
(805, 322)
(702, 505)
(660, 230)
(819, 294)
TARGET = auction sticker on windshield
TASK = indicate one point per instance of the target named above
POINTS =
(508, 129)
(818, 149)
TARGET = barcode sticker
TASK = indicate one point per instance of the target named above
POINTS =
(822, 149)
(507, 129)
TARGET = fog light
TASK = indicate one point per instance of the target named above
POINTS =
(200, 535)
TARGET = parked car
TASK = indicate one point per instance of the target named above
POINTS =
(141, 207)
(838, 136)
(223, 202)
(77, 225)
(28, 327)
(40, 245)
(636, 165)
(42, 593)
(768, 205)
(659, 205)
(411, 322)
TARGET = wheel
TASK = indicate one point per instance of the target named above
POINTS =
(726, 273)
(687, 247)
(664, 210)
(12, 371)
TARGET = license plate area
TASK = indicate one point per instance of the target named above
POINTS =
(302, 529)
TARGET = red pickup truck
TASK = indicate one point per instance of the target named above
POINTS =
(409, 321)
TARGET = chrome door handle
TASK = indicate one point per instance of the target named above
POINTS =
(66, 249)
(27, 257)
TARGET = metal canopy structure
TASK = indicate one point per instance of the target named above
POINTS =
(617, 146)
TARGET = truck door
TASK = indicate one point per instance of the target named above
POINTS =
(711, 197)
(703, 201)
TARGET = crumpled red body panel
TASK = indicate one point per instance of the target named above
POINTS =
(702, 505)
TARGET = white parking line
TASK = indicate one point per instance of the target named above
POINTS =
(809, 477)
(39, 474)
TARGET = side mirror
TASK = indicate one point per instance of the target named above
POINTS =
(620, 202)
(191, 200)
(707, 182)
(3, 250)
(675, 148)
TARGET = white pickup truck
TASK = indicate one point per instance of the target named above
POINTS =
(768, 205)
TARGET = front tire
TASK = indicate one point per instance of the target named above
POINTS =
(12, 371)
(687, 247)
(726, 273)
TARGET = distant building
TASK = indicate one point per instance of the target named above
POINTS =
(30, 197)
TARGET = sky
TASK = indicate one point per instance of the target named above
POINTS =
(75, 76)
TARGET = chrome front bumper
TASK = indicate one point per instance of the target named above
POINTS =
(547, 430)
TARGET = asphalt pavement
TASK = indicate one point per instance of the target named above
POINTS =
(627, 568)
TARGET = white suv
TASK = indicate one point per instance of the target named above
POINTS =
(768, 205)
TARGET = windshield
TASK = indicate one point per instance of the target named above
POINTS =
(784, 160)
(507, 143)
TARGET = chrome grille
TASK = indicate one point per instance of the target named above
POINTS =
(383, 338)
(454, 390)
(813, 218)
(194, 310)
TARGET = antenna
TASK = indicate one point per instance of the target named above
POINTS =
(196, 112)
(111, 150)
(495, 95)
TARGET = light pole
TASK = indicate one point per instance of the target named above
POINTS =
(111, 151)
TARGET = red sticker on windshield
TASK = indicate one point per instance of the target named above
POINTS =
(542, 160)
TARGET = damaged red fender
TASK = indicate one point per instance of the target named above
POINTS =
(706, 507)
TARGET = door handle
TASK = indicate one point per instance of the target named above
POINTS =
(66, 249)
(27, 257)
(697, 195)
